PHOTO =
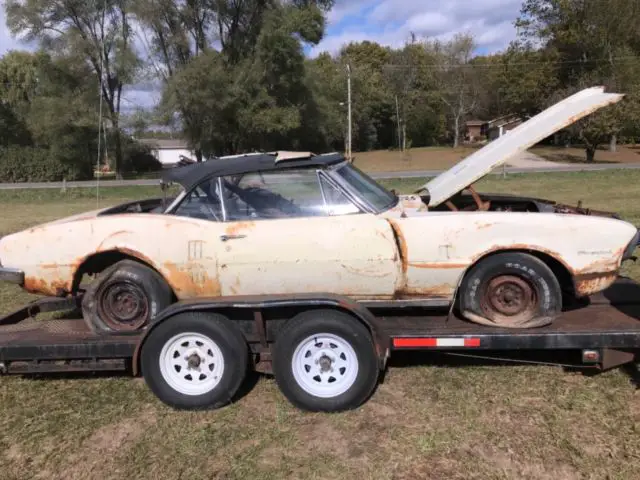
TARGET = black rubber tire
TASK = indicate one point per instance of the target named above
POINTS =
(350, 330)
(220, 330)
(524, 266)
(157, 294)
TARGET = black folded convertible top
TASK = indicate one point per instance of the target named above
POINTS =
(191, 175)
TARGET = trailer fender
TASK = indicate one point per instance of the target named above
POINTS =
(259, 303)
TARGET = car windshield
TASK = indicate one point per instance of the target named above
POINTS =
(366, 187)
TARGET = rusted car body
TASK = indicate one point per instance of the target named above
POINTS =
(233, 230)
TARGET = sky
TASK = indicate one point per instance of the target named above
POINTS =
(388, 22)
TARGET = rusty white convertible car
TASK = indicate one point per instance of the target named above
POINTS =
(277, 224)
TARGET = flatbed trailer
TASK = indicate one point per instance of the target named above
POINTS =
(264, 333)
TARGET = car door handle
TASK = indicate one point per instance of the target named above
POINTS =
(224, 238)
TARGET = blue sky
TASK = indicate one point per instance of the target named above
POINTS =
(388, 22)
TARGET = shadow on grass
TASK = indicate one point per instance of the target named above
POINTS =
(569, 158)
(565, 358)
(245, 389)
(633, 372)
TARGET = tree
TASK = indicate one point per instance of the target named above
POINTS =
(401, 76)
(516, 81)
(18, 84)
(51, 113)
(372, 103)
(95, 31)
(256, 102)
(258, 56)
(593, 41)
(456, 78)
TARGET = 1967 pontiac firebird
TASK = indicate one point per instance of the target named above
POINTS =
(277, 224)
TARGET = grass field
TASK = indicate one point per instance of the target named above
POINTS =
(426, 421)
(623, 154)
(425, 158)
(441, 158)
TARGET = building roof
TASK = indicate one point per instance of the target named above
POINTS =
(475, 123)
(191, 175)
(504, 120)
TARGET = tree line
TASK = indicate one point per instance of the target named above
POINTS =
(234, 77)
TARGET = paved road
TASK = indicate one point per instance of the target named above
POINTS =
(377, 175)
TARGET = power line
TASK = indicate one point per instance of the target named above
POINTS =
(503, 64)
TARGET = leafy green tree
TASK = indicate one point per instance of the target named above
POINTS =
(52, 115)
(455, 78)
(97, 32)
(596, 43)
(259, 87)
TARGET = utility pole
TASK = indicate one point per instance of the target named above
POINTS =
(349, 112)
(398, 123)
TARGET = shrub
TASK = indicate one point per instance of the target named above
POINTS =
(34, 164)
(138, 158)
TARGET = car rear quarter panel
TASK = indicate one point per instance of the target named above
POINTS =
(438, 247)
(51, 254)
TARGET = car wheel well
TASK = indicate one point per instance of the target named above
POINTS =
(558, 268)
(99, 262)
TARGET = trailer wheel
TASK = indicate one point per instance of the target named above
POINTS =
(195, 361)
(511, 290)
(325, 360)
(125, 297)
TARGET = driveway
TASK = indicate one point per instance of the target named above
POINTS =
(531, 160)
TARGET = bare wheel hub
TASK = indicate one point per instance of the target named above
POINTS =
(123, 306)
(325, 362)
(510, 296)
(194, 361)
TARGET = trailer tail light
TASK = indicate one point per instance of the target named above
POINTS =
(435, 342)
(590, 356)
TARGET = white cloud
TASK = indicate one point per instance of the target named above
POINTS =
(429, 23)
(345, 8)
(333, 43)
(7, 42)
(390, 22)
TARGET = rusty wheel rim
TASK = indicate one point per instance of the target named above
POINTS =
(123, 306)
(509, 299)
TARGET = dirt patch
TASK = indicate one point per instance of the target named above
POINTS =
(14, 453)
(97, 456)
(321, 436)
(510, 466)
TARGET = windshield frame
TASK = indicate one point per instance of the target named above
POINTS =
(356, 194)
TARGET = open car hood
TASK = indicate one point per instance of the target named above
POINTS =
(496, 153)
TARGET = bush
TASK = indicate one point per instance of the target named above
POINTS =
(34, 164)
(138, 159)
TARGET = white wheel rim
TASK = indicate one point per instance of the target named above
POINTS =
(191, 363)
(325, 365)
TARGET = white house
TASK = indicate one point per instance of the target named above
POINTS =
(169, 151)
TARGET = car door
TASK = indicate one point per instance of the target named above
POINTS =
(292, 231)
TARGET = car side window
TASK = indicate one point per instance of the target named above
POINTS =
(282, 194)
(202, 202)
(336, 202)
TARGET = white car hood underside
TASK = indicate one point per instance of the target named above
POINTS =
(496, 153)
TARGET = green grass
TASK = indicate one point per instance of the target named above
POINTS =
(425, 421)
